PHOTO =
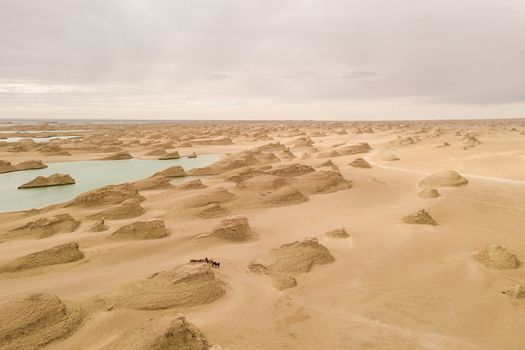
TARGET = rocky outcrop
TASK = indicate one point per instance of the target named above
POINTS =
(53, 180)
(234, 228)
(118, 156)
(6, 167)
(152, 229)
(45, 227)
(448, 178)
(60, 254)
(173, 171)
(290, 259)
(112, 194)
(33, 321)
(183, 286)
(422, 217)
(497, 257)
(170, 155)
(360, 163)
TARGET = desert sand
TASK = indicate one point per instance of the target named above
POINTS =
(327, 235)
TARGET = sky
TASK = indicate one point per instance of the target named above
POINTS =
(267, 59)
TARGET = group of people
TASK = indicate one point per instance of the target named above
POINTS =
(211, 262)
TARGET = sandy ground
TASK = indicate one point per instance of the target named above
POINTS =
(391, 285)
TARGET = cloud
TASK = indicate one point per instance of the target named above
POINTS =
(261, 52)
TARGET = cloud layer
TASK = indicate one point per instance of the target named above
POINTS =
(268, 59)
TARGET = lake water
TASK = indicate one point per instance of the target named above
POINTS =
(88, 175)
(38, 139)
(37, 131)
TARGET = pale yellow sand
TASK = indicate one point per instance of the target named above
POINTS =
(391, 285)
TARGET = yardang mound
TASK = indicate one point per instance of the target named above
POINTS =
(498, 257)
(34, 321)
(45, 227)
(290, 259)
(118, 156)
(166, 333)
(429, 193)
(128, 209)
(338, 233)
(360, 163)
(152, 229)
(60, 254)
(234, 228)
(53, 180)
(112, 194)
(182, 286)
(422, 217)
(448, 178)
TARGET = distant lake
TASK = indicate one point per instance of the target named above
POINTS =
(38, 139)
(37, 131)
(88, 175)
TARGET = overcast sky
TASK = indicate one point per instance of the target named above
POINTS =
(246, 59)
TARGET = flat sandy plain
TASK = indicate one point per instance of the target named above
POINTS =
(394, 278)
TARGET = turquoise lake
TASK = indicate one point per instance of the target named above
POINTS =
(38, 139)
(88, 175)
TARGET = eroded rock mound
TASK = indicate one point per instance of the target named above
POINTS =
(7, 167)
(152, 183)
(172, 171)
(290, 170)
(183, 286)
(118, 156)
(285, 195)
(60, 254)
(422, 217)
(293, 258)
(207, 196)
(233, 228)
(152, 229)
(191, 185)
(518, 292)
(361, 147)
(321, 182)
(263, 182)
(53, 180)
(128, 209)
(390, 158)
(45, 227)
(112, 194)
(497, 257)
(429, 193)
(360, 163)
(163, 334)
(448, 178)
(213, 210)
(36, 320)
(338, 233)
(170, 155)
(99, 226)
